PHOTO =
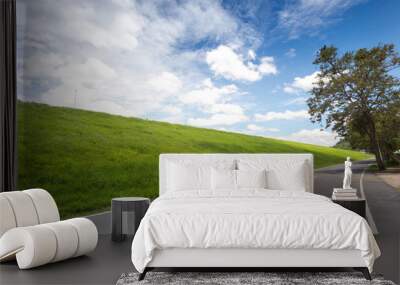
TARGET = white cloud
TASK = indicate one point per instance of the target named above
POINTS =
(95, 85)
(216, 101)
(123, 3)
(174, 114)
(165, 82)
(121, 31)
(252, 127)
(171, 110)
(313, 136)
(291, 53)
(226, 62)
(218, 120)
(251, 55)
(309, 16)
(124, 57)
(267, 66)
(208, 94)
(289, 89)
(257, 128)
(296, 101)
(272, 130)
(286, 115)
(226, 108)
(302, 84)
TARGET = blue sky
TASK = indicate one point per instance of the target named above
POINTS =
(242, 66)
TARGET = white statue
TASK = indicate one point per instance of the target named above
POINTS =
(347, 174)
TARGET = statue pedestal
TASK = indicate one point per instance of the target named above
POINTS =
(345, 189)
(344, 194)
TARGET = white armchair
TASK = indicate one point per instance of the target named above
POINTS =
(32, 233)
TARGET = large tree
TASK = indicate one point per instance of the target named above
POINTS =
(358, 95)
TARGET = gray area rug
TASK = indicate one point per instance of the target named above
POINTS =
(269, 278)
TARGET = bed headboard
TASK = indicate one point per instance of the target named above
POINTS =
(204, 158)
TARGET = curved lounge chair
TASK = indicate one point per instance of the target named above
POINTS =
(31, 231)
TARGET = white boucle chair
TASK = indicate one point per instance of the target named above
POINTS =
(32, 233)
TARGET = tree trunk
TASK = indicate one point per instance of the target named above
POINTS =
(375, 146)
(379, 159)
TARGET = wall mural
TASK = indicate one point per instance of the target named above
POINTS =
(105, 86)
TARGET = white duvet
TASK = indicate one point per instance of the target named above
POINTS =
(250, 219)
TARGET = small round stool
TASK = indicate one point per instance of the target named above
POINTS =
(126, 214)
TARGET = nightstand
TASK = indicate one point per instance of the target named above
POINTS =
(126, 214)
(355, 205)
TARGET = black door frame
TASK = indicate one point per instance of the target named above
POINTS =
(8, 96)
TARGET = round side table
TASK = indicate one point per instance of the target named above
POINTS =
(127, 211)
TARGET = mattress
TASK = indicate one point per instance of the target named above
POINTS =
(252, 219)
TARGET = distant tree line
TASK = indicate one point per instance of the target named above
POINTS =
(357, 94)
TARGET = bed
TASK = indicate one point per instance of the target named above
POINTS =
(246, 211)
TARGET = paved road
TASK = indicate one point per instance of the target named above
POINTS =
(384, 210)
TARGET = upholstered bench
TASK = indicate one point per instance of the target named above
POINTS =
(31, 231)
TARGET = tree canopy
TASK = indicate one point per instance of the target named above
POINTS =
(357, 94)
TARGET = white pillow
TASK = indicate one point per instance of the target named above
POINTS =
(251, 178)
(281, 174)
(188, 177)
(294, 179)
(223, 179)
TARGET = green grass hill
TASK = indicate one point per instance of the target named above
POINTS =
(85, 158)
